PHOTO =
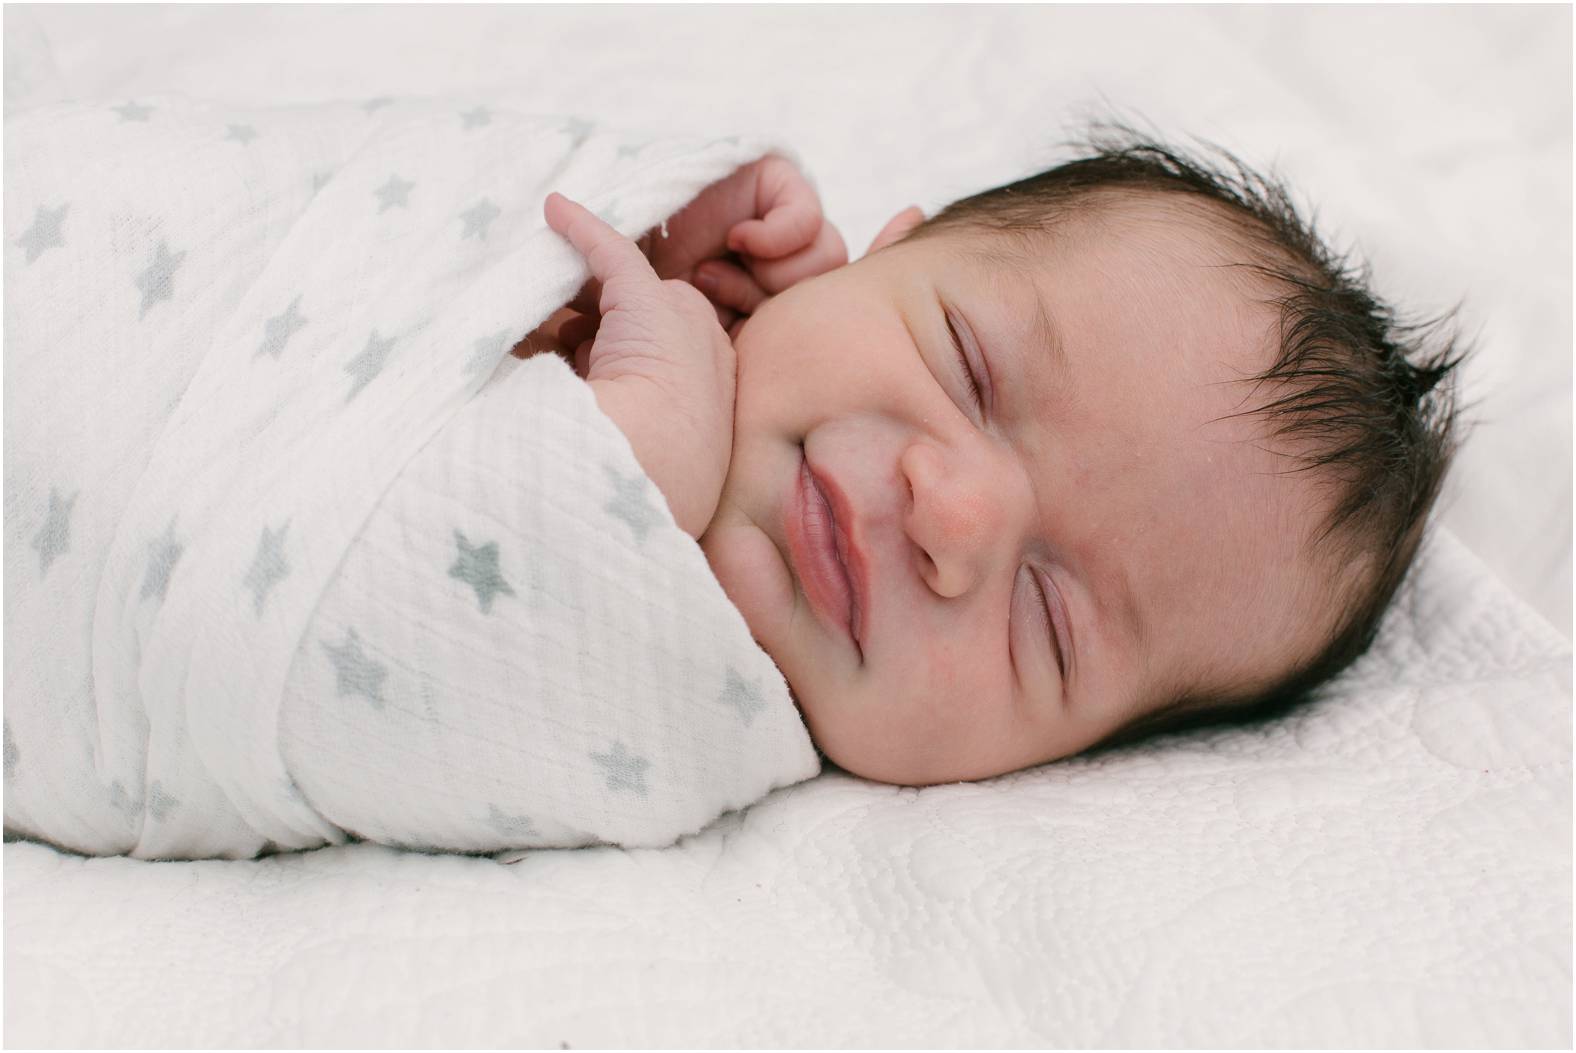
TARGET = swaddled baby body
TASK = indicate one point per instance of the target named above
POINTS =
(1023, 480)
(1114, 449)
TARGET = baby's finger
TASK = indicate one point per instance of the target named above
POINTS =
(789, 211)
(614, 260)
(729, 286)
(826, 254)
(785, 229)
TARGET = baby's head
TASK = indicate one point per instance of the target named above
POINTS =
(1198, 469)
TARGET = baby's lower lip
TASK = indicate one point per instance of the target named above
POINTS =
(812, 549)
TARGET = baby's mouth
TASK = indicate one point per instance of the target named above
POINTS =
(817, 553)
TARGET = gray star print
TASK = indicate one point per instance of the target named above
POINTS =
(624, 769)
(392, 193)
(268, 566)
(745, 698)
(478, 567)
(478, 217)
(241, 133)
(578, 129)
(12, 754)
(488, 350)
(120, 801)
(510, 825)
(278, 329)
(159, 802)
(477, 117)
(376, 104)
(45, 231)
(320, 180)
(132, 111)
(158, 281)
(356, 671)
(54, 536)
(367, 365)
(630, 150)
(163, 554)
(629, 501)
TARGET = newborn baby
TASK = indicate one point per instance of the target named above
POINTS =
(1113, 449)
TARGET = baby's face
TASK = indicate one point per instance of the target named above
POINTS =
(1028, 575)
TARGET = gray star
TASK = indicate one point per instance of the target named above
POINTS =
(367, 365)
(159, 802)
(163, 554)
(268, 566)
(624, 769)
(477, 117)
(392, 193)
(12, 754)
(278, 329)
(45, 231)
(158, 281)
(376, 104)
(478, 567)
(578, 129)
(746, 698)
(510, 825)
(478, 217)
(54, 536)
(119, 800)
(242, 133)
(630, 149)
(356, 671)
(132, 111)
(320, 180)
(488, 350)
(630, 501)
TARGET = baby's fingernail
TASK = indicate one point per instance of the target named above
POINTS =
(706, 279)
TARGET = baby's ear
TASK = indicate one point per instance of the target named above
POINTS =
(897, 227)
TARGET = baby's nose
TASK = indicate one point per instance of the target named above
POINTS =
(953, 517)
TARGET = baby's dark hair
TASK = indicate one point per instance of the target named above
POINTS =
(1367, 401)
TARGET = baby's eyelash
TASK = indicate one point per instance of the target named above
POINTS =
(963, 359)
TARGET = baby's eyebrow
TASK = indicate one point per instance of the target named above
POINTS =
(1046, 337)
(1042, 355)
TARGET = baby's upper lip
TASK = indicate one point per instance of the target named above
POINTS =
(851, 547)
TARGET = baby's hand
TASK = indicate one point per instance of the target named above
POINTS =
(748, 237)
(785, 241)
(659, 365)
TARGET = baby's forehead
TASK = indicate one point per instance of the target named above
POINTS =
(1155, 229)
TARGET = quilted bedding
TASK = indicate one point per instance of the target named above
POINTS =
(1389, 867)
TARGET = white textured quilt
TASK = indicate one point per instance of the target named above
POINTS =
(285, 559)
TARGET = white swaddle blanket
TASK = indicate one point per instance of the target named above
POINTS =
(290, 555)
